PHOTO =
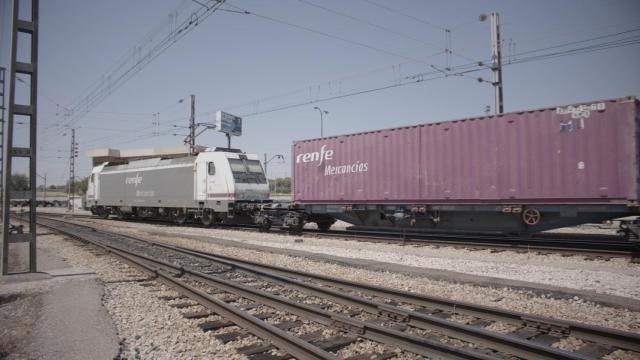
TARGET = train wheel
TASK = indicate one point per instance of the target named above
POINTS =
(531, 216)
(180, 216)
(265, 226)
(296, 229)
(324, 226)
(208, 217)
(102, 212)
(120, 215)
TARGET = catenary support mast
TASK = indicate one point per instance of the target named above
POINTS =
(73, 153)
(192, 126)
(24, 35)
(496, 66)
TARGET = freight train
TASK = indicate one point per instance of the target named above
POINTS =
(513, 173)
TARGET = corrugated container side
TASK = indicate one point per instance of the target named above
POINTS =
(553, 155)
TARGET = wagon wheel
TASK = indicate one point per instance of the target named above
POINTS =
(179, 216)
(296, 229)
(102, 212)
(121, 215)
(531, 216)
(324, 226)
(265, 226)
(208, 217)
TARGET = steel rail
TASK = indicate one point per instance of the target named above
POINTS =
(620, 339)
(370, 331)
(496, 341)
(280, 338)
(291, 344)
(408, 342)
(509, 344)
(610, 245)
(606, 246)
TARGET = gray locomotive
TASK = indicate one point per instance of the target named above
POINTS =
(215, 186)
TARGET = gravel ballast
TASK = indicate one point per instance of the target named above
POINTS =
(616, 276)
(148, 327)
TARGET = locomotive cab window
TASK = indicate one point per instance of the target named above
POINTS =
(254, 166)
(247, 171)
(211, 168)
(237, 166)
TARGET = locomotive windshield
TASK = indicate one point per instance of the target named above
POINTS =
(247, 171)
(254, 166)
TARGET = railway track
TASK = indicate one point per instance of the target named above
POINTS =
(596, 245)
(275, 303)
(591, 246)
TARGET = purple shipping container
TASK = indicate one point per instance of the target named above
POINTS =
(585, 153)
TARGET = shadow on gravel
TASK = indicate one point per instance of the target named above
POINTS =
(5, 299)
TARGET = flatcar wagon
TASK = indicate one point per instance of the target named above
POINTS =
(517, 172)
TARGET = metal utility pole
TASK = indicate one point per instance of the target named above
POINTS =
(44, 197)
(266, 162)
(322, 113)
(73, 153)
(496, 66)
(2, 92)
(28, 44)
(265, 171)
(265, 166)
(192, 126)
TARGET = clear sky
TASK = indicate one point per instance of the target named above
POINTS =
(315, 49)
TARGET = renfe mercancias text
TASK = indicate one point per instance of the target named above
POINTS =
(325, 155)
(346, 169)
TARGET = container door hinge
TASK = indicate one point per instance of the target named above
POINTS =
(514, 209)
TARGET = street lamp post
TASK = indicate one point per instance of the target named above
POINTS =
(322, 113)
(266, 162)
(45, 187)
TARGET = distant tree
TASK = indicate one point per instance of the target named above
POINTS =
(280, 185)
(79, 186)
(19, 182)
(61, 188)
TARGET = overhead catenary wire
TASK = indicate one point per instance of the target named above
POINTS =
(134, 50)
(389, 9)
(145, 130)
(447, 49)
(581, 41)
(333, 82)
(371, 24)
(582, 50)
(294, 24)
(125, 57)
(464, 70)
(331, 36)
(461, 70)
(112, 81)
(410, 80)
(419, 77)
(60, 127)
